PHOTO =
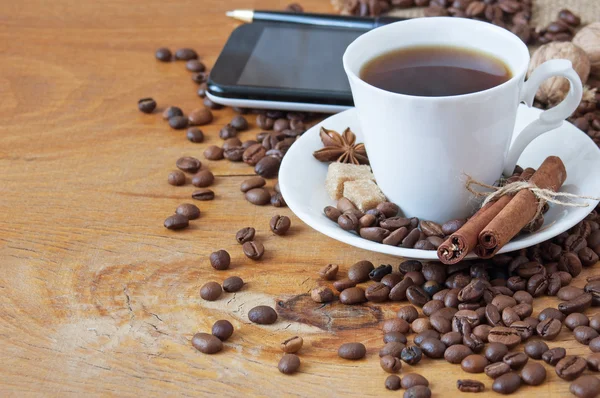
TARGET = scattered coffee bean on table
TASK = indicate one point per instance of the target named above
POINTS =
(466, 385)
(507, 383)
(188, 164)
(585, 387)
(494, 352)
(457, 353)
(352, 296)
(195, 135)
(390, 364)
(392, 383)
(417, 392)
(395, 325)
(536, 349)
(163, 54)
(176, 178)
(200, 117)
(188, 210)
(414, 379)
(258, 196)
(203, 179)
(251, 183)
(515, 360)
(394, 336)
(359, 271)
(222, 329)
(352, 351)
(207, 343)
(496, 370)
(412, 355)
(343, 284)
(239, 123)
(185, 54)
(211, 291)
(576, 319)
(533, 374)
(213, 152)
(280, 225)
(329, 272)
(593, 362)
(220, 260)
(262, 315)
(292, 345)
(268, 167)
(245, 235)
(176, 222)
(171, 111)
(474, 363)
(289, 363)
(570, 367)
(178, 122)
(147, 105)
(553, 355)
(392, 348)
(253, 250)
(322, 294)
(203, 194)
(233, 284)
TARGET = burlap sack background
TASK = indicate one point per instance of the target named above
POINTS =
(544, 11)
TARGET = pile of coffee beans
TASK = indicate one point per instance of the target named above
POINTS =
(510, 14)
(563, 29)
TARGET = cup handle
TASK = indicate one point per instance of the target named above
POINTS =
(552, 118)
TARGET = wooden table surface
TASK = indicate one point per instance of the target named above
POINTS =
(96, 296)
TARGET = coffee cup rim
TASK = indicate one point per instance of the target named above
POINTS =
(516, 74)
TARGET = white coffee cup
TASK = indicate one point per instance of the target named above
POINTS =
(421, 148)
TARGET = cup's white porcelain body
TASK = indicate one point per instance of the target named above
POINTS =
(421, 148)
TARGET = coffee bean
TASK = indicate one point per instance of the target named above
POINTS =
(178, 122)
(378, 273)
(267, 167)
(417, 392)
(549, 313)
(420, 325)
(203, 194)
(200, 117)
(504, 335)
(482, 332)
(265, 123)
(496, 370)
(220, 260)
(595, 322)
(292, 345)
(281, 124)
(417, 296)
(171, 111)
(253, 250)
(233, 284)
(227, 132)
(207, 343)
(507, 383)
(431, 228)
(432, 306)
(343, 284)
(473, 291)
(571, 19)
(593, 362)
(578, 304)
(146, 105)
(595, 344)
(245, 235)
(163, 54)
(176, 222)
(515, 360)
(522, 297)
(392, 348)
(203, 178)
(398, 292)
(185, 54)
(416, 277)
(193, 65)
(537, 285)
(549, 328)
(522, 310)
(254, 154)
(570, 367)
(394, 336)
(258, 196)
(411, 355)
(536, 349)
(377, 293)
(332, 213)
(509, 316)
(353, 295)
(433, 348)
(456, 353)
(440, 324)
(494, 352)
(375, 234)
(587, 257)
(471, 340)
(322, 294)
(352, 351)
(211, 291)
(419, 338)
(576, 319)
(394, 223)
(392, 383)
(502, 301)
(465, 385)
(390, 364)
(569, 262)
(585, 334)
(451, 338)
(280, 225)
(348, 221)
(202, 88)
(213, 152)
(585, 387)
(262, 315)
(176, 178)
(289, 364)
(414, 379)
(222, 329)
(554, 355)
(533, 374)
(395, 325)
(188, 210)
(452, 226)
(188, 164)
(474, 363)
(411, 239)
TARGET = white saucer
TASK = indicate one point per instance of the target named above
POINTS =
(302, 181)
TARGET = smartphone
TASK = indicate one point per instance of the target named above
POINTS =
(283, 66)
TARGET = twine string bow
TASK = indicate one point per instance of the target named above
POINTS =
(543, 195)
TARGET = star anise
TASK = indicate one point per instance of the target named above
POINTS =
(341, 148)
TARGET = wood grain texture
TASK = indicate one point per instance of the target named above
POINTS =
(96, 297)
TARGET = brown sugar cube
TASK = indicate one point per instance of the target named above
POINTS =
(339, 173)
(365, 194)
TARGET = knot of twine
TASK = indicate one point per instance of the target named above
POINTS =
(543, 195)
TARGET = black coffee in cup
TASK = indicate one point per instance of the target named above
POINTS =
(435, 71)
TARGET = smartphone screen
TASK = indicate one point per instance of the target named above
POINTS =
(308, 59)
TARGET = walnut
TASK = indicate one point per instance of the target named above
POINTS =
(554, 90)
(588, 38)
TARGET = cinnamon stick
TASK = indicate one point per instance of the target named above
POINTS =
(460, 243)
(520, 210)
